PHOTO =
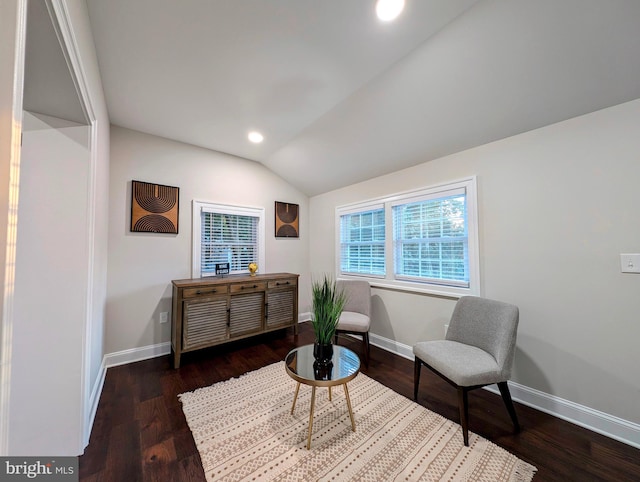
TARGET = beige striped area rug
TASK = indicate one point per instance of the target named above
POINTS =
(244, 430)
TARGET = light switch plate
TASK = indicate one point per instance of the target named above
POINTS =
(630, 262)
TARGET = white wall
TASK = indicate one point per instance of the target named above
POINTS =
(50, 289)
(142, 265)
(556, 206)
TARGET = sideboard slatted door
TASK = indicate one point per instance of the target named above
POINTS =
(247, 313)
(281, 308)
(205, 322)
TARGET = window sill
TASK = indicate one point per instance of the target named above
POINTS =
(417, 288)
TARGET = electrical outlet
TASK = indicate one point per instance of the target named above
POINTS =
(164, 316)
(630, 263)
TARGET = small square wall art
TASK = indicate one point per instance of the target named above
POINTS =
(154, 208)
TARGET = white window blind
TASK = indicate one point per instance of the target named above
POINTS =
(362, 242)
(431, 240)
(226, 234)
(228, 238)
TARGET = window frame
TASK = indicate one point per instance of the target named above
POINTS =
(196, 230)
(389, 280)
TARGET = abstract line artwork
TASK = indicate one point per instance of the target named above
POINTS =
(154, 208)
(287, 220)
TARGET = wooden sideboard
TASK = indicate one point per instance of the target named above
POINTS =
(212, 311)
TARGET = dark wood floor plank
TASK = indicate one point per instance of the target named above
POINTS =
(155, 422)
(159, 461)
(149, 375)
(124, 459)
(190, 470)
(140, 432)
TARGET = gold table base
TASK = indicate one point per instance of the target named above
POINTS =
(313, 402)
(301, 365)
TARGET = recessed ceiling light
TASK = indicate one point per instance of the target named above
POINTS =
(256, 137)
(389, 9)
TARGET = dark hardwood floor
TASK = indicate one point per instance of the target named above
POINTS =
(140, 433)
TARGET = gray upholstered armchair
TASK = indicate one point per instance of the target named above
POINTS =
(478, 351)
(356, 315)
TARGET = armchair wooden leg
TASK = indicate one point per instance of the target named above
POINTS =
(463, 402)
(416, 377)
(506, 396)
(365, 346)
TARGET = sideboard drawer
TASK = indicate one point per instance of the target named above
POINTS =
(205, 291)
(248, 287)
(282, 283)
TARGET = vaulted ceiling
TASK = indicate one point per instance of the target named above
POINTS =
(341, 96)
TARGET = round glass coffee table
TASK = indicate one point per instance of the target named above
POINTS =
(300, 365)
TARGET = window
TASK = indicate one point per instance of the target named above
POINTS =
(430, 240)
(226, 234)
(422, 240)
(362, 237)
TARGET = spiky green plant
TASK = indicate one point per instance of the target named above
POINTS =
(328, 303)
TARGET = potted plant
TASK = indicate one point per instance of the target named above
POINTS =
(328, 303)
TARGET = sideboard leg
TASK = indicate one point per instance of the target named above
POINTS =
(176, 359)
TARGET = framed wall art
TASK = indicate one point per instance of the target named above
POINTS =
(154, 208)
(287, 220)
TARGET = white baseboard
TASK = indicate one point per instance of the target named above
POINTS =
(589, 418)
(302, 317)
(392, 346)
(94, 399)
(594, 420)
(136, 354)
